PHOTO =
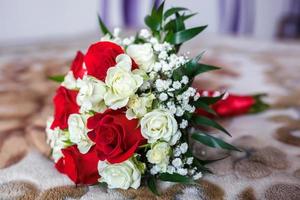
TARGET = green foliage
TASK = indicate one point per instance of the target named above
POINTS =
(177, 178)
(171, 25)
(207, 122)
(205, 162)
(212, 141)
(192, 69)
(151, 183)
(57, 78)
(210, 100)
(102, 184)
(259, 105)
(103, 28)
(183, 35)
(204, 106)
(205, 102)
(172, 11)
(155, 19)
(200, 166)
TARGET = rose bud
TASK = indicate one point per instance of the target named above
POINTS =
(234, 105)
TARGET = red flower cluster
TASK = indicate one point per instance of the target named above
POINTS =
(116, 138)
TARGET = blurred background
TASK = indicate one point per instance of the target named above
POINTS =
(29, 21)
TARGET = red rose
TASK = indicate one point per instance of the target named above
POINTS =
(64, 105)
(101, 56)
(81, 168)
(231, 106)
(77, 65)
(116, 137)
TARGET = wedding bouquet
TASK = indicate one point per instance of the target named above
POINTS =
(126, 112)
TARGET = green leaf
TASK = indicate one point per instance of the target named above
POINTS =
(160, 11)
(179, 23)
(204, 121)
(205, 162)
(195, 61)
(193, 69)
(204, 106)
(151, 183)
(103, 184)
(172, 11)
(179, 73)
(57, 78)
(213, 141)
(152, 22)
(103, 28)
(185, 35)
(177, 178)
(197, 58)
(259, 105)
(172, 23)
(197, 163)
(211, 100)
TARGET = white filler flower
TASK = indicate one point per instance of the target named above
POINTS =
(143, 55)
(120, 175)
(158, 124)
(78, 132)
(121, 83)
(159, 154)
(91, 94)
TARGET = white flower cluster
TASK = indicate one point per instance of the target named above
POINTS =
(117, 39)
(160, 126)
(182, 164)
(176, 104)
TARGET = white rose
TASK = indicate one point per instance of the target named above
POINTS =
(69, 81)
(143, 55)
(158, 124)
(159, 155)
(120, 175)
(91, 94)
(138, 106)
(78, 132)
(121, 83)
(57, 139)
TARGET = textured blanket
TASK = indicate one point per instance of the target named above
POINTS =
(267, 169)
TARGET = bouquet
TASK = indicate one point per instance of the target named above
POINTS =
(126, 112)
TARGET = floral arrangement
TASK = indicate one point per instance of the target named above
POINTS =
(126, 112)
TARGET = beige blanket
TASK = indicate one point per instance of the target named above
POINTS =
(269, 167)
